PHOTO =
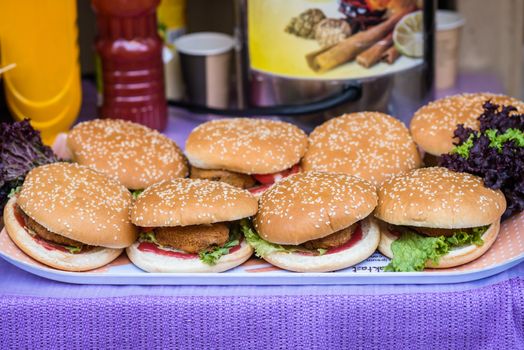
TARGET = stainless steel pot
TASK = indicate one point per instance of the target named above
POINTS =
(309, 102)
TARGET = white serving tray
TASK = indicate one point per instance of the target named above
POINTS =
(506, 252)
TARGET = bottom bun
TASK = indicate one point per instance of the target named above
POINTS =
(92, 259)
(455, 257)
(360, 251)
(152, 262)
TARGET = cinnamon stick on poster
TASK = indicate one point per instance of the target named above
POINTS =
(391, 55)
(348, 49)
(374, 54)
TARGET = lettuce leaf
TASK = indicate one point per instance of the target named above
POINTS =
(73, 249)
(21, 149)
(412, 250)
(494, 152)
(14, 192)
(150, 237)
(498, 140)
(322, 251)
(261, 247)
(463, 149)
(212, 255)
(136, 193)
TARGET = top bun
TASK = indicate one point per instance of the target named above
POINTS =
(370, 145)
(433, 125)
(439, 198)
(184, 202)
(246, 145)
(312, 205)
(131, 153)
(79, 203)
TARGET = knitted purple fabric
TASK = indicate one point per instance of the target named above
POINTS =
(490, 317)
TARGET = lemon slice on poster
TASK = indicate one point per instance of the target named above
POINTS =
(408, 37)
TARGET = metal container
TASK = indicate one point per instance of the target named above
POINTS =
(395, 90)
(276, 73)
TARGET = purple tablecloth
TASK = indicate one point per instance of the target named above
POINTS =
(39, 314)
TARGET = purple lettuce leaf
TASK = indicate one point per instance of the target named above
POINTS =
(21, 149)
(500, 169)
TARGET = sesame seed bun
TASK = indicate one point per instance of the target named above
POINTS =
(331, 262)
(89, 260)
(78, 203)
(246, 145)
(133, 154)
(370, 145)
(183, 202)
(152, 262)
(433, 125)
(312, 205)
(455, 257)
(439, 198)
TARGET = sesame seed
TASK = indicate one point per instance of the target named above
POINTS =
(265, 146)
(131, 153)
(370, 145)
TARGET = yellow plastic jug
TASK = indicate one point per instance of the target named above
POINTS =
(40, 37)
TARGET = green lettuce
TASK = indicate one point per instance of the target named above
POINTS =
(150, 237)
(73, 249)
(212, 255)
(322, 251)
(412, 250)
(136, 193)
(261, 247)
(496, 141)
(463, 149)
(14, 191)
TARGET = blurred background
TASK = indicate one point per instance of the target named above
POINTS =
(478, 46)
(492, 39)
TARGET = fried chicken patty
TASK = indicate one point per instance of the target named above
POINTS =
(193, 239)
(332, 241)
(44, 233)
(232, 178)
(436, 232)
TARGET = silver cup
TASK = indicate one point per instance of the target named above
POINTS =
(205, 59)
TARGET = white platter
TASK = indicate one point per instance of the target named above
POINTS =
(506, 252)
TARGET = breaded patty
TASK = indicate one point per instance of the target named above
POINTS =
(193, 239)
(232, 178)
(332, 241)
(436, 232)
(48, 235)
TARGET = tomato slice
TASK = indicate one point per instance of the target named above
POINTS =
(269, 179)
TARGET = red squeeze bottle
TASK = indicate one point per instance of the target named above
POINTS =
(130, 71)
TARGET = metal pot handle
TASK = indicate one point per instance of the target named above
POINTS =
(350, 93)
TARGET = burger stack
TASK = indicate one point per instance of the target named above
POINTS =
(243, 186)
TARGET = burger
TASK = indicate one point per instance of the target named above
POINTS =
(133, 154)
(369, 145)
(191, 225)
(433, 125)
(247, 153)
(70, 217)
(434, 217)
(315, 222)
